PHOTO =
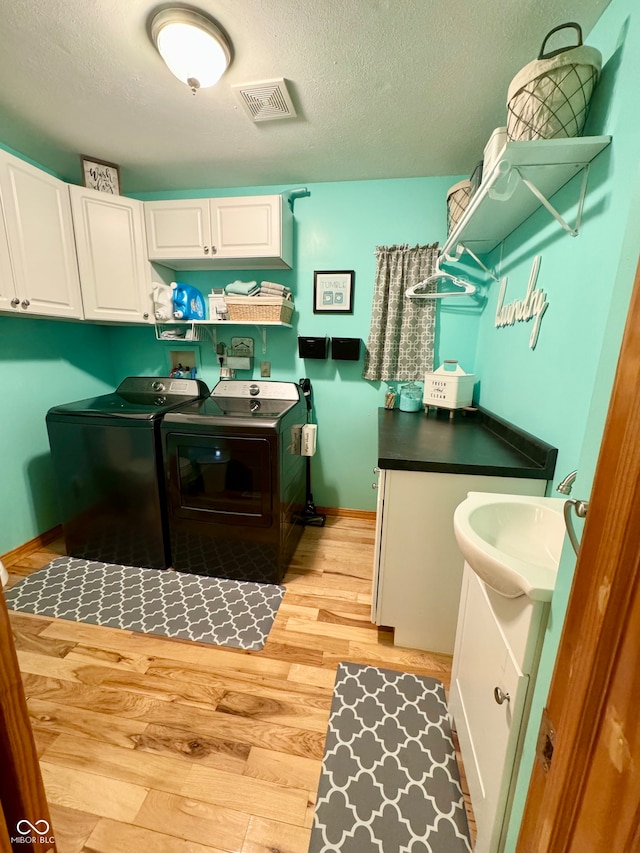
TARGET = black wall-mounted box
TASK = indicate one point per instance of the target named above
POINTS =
(345, 349)
(312, 347)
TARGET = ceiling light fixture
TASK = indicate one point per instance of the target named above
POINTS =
(194, 48)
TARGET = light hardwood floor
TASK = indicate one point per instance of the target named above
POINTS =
(153, 744)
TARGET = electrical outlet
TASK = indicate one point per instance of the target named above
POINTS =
(265, 368)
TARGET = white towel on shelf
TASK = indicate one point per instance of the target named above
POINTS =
(274, 288)
(266, 294)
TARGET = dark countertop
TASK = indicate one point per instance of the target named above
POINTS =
(470, 443)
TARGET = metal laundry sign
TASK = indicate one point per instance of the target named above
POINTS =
(532, 306)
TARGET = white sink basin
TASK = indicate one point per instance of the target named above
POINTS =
(512, 542)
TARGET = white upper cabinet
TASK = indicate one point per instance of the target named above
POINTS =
(115, 275)
(247, 232)
(39, 231)
(178, 229)
(8, 294)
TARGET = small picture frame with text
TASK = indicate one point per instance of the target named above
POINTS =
(333, 291)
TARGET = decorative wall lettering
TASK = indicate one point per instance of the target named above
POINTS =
(521, 310)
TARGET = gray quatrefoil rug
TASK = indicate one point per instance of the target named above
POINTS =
(390, 782)
(173, 604)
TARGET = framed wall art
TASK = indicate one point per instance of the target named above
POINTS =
(99, 175)
(333, 291)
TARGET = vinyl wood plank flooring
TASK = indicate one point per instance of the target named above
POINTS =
(149, 743)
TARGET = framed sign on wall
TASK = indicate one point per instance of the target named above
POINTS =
(99, 175)
(333, 291)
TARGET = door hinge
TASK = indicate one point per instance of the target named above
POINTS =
(546, 741)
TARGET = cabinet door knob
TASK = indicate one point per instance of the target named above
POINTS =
(374, 485)
(376, 470)
(500, 696)
(145, 316)
(214, 250)
(25, 303)
(15, 302)
(206, 250)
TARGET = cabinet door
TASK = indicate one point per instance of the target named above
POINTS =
(488, 732)
(247, 227)
(178, 229)
(110, 242)
(8, 298)
(41, 244)
(419, 589)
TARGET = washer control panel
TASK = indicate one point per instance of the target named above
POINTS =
(243, 389)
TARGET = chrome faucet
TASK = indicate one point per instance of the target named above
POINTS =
(579, 507)
(565, 486)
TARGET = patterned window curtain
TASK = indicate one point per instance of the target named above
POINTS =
(401, 338)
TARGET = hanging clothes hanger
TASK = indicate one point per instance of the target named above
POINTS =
(465, 288)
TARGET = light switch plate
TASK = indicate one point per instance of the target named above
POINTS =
(265, 368)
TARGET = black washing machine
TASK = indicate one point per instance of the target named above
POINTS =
(235, 480)
(107, 463)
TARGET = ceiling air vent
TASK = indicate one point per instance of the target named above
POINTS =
(266, 101)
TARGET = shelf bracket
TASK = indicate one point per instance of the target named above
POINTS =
(460, 251)
(546, 203)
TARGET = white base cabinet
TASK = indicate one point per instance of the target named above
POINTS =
(38, 227)
(115, 275)
(246, 232)
(496, 655)
(418, 565)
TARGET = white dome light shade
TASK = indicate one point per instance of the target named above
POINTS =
(192, 46)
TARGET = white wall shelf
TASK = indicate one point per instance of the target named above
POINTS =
(525, 177)
(198, 331)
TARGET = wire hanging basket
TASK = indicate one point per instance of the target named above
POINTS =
(550, 96)
(458, 198)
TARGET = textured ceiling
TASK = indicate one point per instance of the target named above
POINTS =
(383, 88)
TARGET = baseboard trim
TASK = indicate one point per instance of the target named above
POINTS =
(32, 545)
(364, 514)
(42, 539)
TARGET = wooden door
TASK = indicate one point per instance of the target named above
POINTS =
(588, 800)
(25, 814)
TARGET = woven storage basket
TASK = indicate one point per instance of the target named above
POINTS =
(550, 96)
(457, 201)
(259, 309)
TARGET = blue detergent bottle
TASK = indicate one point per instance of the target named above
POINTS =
(188, 302)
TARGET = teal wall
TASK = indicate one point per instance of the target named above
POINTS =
(565, 384)
(548, 390)
(42, 363)
(337, 227)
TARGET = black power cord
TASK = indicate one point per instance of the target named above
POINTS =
(310, 517)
